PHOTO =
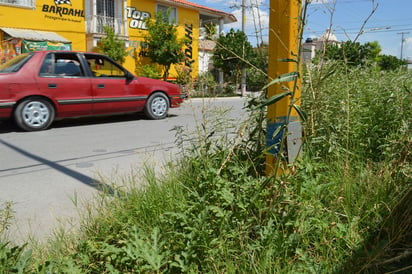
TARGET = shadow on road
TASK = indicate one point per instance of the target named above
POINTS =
(7, 126)
(67, 171)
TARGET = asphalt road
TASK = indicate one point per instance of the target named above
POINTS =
(49, 175)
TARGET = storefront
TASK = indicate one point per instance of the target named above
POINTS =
(78, 25)
(17, 41)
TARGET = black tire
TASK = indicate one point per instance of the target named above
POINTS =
(157, 106)
(33, 114)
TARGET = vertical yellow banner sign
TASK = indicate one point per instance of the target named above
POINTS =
(283, 47)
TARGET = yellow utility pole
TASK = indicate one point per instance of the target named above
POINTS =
(282, 118)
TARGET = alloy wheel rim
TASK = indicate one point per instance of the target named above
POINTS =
(159, 106)
(36, 114)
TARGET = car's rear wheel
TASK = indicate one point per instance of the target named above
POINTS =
(33, 114)
(157, 106)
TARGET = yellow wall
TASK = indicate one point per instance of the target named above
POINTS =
(69, 22)
(70, 26)
(188, 25)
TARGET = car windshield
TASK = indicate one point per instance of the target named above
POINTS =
(15, 64)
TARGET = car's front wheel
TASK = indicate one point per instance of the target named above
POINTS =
(33, 114)
(157, 106)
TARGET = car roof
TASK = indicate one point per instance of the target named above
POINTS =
(43, 52)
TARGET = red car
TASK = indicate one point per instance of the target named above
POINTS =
(38, 87)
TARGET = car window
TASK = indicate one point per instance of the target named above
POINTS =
(15, 64)
(104, 67)
(61, 65)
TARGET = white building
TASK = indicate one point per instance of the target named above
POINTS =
(206, 49)
(313, 45)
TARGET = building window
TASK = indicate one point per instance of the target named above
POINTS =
(172, 13)
(21, 3)
(106, 15)
(105, 8)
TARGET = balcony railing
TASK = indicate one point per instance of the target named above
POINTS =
(96, 24)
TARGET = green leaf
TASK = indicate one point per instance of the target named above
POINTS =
(287, 60)
(278, 130)
(287, 77)
(302, 114)
(274, 99)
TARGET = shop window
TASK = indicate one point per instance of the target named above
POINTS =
(172, 18)
(21, 3)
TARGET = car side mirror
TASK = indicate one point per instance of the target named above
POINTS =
(129, 76)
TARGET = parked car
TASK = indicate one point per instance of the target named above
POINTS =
(38, 87)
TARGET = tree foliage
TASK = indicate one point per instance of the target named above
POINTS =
(112, 46)
(211, 30)
(231, 52)
(390, 62)
(162, 44)
(355, 54)
(256, 77)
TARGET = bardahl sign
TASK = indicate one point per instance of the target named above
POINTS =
(58, 10)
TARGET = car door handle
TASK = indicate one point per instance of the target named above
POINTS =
(52, 85)
(100, 85)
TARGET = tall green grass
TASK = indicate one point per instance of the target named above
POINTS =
(345, 208)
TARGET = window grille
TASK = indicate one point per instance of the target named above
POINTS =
(105, 14)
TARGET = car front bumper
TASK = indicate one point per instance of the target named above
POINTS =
(176, 100)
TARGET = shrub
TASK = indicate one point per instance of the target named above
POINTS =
(150, 71)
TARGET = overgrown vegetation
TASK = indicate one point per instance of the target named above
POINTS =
(346, 208)
(343, 208)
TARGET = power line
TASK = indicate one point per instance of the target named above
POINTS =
(372, 30)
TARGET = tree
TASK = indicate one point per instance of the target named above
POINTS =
(231, 52)
(112, 46)
(161, 42)
(389, 62)
(211, 31)
(372, 51)
(354, 54)
(257, 75)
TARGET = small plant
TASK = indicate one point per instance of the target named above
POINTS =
(14, 258)
(112, 46)
(149, 71)
(205, 85)
(6, 218)
(184, 79)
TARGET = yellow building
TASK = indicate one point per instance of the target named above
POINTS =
(27, 25)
